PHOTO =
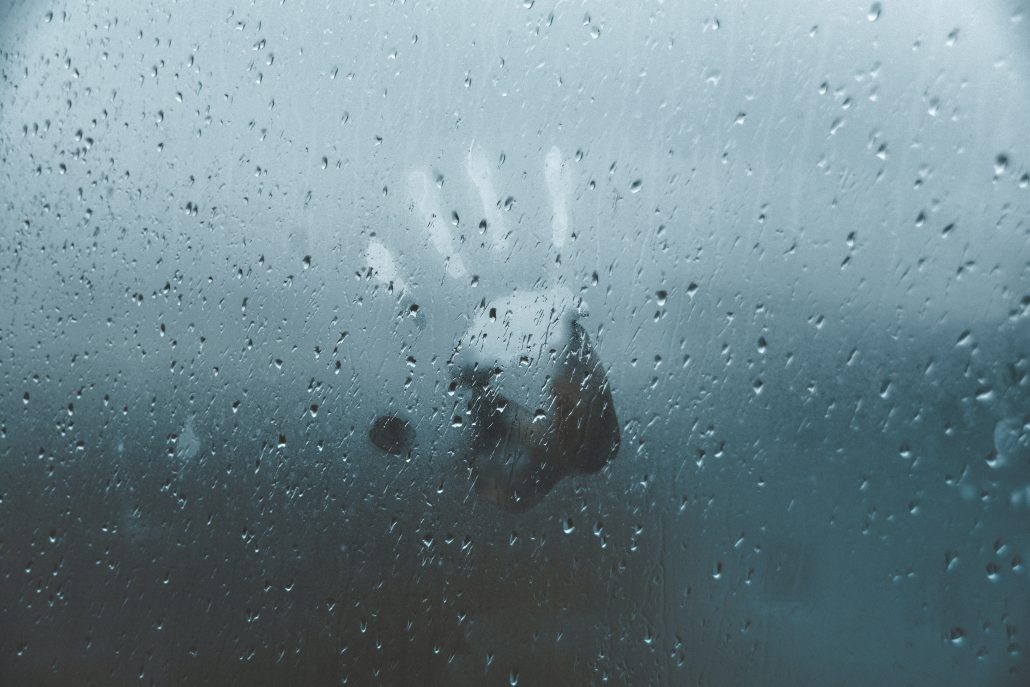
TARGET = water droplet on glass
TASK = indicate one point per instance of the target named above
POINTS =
(1001, 163)
(392, 434)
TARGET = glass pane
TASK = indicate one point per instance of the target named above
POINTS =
(515, 343)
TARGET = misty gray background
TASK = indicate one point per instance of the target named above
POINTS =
(824, 476)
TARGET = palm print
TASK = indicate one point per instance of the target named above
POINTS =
(537, 394)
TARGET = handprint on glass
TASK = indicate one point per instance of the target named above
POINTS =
(537, 395)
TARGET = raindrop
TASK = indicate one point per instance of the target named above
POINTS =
(1001, 163)
(992, 572)
(392, 434)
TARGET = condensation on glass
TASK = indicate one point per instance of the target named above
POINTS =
(515, 343)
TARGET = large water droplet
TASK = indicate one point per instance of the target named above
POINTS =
(392, 434)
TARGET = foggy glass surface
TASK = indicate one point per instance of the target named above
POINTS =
(515, 343)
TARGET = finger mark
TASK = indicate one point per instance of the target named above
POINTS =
(383, 265)
(478, 169)
(428, 206)
(554, 175)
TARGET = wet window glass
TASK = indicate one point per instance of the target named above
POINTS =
(515, 343)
